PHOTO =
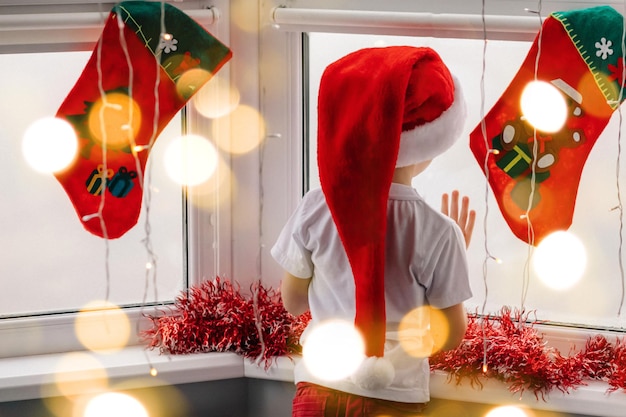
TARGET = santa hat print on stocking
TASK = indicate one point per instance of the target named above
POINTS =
(378, 109)
(534, 169)
(149, 61)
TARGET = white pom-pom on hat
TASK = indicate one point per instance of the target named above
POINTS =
(374, 373)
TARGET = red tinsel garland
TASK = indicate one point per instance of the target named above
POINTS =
(215, 317)
(517, 355)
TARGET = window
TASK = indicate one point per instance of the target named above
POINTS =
(595, 223)
(51, 267)
(323, 37)
(52, 264)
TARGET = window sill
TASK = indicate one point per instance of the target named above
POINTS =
(34, 377)
(31, 377)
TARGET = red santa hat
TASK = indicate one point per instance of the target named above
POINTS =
(378, 109)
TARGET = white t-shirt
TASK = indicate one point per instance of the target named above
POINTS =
(425, 264)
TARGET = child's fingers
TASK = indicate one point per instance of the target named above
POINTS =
(445, 203)
(454, 206)
(460, 213)
(469, 227)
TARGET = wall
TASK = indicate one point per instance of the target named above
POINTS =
(240, 397)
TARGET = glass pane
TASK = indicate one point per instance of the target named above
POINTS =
(595, 300)
(49, 263)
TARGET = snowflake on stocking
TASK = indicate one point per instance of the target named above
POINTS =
(604, 48)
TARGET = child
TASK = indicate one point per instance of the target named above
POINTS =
(366, 247)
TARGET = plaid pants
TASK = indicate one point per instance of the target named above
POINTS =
(315, 401)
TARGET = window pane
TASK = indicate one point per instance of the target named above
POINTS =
(49, 263)
(595, 300)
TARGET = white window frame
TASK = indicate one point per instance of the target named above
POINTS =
(53, 26)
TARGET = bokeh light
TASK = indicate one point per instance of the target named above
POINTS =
(247, 131)
(78, 372)
(115, 119)
(190, 160)
(333, 350)
(49, 145)
(543, 106)
(560, 260)
(414, 333)
(220, 188)
(241, 16)
(507, 411)
(163, 400)
(217, 98)
(114, 404)
(102, 326)
(191, 81)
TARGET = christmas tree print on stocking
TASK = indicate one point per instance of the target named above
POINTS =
(534, 174)
(150, 59)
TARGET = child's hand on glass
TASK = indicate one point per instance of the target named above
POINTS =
(462, 215)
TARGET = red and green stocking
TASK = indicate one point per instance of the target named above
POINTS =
(580, 54)
(151, 58)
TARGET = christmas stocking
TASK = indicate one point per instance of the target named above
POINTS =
(151, 58)
(535, 174)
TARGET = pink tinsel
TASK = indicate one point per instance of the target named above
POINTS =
(215, 317)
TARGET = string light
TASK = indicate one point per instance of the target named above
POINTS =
(617, 177)
(533, 172)
(88, 217)
(140, 148)
(483, 129)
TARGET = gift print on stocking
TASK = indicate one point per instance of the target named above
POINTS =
(534, 170)
(150, 60)
(515, 148)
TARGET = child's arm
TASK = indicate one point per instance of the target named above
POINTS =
(448, 327)
(295, 294)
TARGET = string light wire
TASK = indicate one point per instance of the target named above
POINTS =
(620, 206)
(103, 174)
(483, 129)
(533, 172)
(151, 264)
(145, 182)
(255, 289)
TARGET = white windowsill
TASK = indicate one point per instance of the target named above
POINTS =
(33, 377)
